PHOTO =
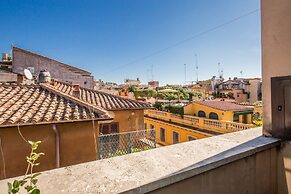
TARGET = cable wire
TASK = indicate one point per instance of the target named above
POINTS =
(185, 40)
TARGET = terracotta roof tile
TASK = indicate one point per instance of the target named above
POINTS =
(23, 104)
(224, 105)
(98, 98)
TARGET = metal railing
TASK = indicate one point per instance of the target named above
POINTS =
(118, 144)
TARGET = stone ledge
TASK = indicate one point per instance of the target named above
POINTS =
(149, 170)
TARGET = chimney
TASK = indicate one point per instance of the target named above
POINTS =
(4, 57)
(20, 79)
(44, 76)
(76, 91)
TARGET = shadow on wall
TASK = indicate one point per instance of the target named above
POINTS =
(260, 171)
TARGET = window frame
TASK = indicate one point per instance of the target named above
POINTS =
(164, 134)
(109, 125)
(175, 132)
(193, 138)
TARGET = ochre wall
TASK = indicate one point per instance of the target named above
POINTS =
(184, 133)
(77, 145)
(194, 108)
(129, 120)
(77, 142)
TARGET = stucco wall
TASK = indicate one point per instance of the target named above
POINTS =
(23, 59)
(254, 90)
(8, 77)
(77, 145)
(252, 175)
(276, 47)
(129, 120)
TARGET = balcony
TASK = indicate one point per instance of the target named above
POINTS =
(239, 162)
(198, 122)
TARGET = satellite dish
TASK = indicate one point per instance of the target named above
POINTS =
(27, 74)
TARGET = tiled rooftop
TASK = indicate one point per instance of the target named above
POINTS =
(104, 100)
(33, 104)
(224, 105)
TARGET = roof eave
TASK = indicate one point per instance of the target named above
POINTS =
(53, 122)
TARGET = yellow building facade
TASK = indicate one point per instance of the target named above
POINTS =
(167, 134)
(171, 128)
(220, 110)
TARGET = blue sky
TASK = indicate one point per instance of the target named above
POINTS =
(102, 36)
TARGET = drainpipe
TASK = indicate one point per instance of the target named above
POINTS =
(57, 143)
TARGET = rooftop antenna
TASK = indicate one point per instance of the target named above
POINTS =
(152, 72)
(185, 73)
(196, 64)
(218, 69)
(27, 74)
(148, 75)
(221, 73)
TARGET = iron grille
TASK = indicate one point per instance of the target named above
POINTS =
(118, 144)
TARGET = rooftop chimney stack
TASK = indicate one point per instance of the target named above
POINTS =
(44, 76)
(76, 91)
(5, 57)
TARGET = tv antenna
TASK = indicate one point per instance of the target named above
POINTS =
(185, 73)
(27, 74)
(152, 72)
(196, 65)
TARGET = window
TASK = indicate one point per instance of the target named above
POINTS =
(201, 114)
(145, 126)
(237, 95)
(152, 126)
(108, 128)
(213, 115)
(236, 118)
(114, 128)
(104, 129)
(190, 138)
(175, 137)
(256, 116)
(162, 134)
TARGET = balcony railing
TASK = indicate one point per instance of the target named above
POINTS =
(203, 123)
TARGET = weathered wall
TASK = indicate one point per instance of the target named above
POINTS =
(252, 175)
(23, 59)
(129, 120)
(254, 90)
(77, 145)
(8, 77)
(276, 47)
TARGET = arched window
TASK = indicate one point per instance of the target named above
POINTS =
(213, 115)
(201, 114)
(256, 116)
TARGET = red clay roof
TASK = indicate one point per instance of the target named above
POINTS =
(101, 99)
(33, 104)
(224, 105)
